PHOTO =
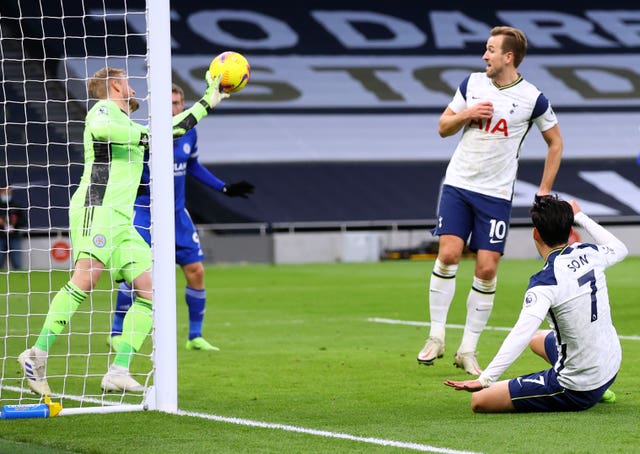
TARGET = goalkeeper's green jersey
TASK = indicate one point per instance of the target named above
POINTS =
(114, 155)
(113, 159)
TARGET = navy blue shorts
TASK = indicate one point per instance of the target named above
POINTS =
(540, 392)
(188, 248)
(479, 218)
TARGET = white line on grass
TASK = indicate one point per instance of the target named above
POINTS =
(250, 423)
(391, 321)
(324, 433)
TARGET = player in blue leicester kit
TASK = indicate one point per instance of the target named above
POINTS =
(494, 110)
(189, 254)
(571, 293)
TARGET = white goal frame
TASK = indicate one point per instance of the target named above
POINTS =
(162, 395)
(162, 212)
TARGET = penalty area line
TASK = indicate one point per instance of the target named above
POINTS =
(324, 433)
(391, 321)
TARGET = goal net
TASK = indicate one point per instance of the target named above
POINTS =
(48, 52)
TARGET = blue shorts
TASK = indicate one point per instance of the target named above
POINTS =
(479, 218)
(541, 391)
(188, 248)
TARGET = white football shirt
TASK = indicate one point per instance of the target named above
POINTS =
(486, 158)
(570, 292)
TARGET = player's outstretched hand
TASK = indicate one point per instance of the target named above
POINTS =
(238, 189)
(467, 385)
(212, 95)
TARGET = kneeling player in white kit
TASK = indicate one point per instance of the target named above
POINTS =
(571, 293)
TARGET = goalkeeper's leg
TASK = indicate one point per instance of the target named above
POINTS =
(126, 295)
(125, 299)
(136, 326)
(34, 360)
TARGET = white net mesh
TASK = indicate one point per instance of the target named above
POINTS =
(48, 51)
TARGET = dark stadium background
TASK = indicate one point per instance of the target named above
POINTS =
(40, 142)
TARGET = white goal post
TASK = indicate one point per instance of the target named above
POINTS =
(162, 212)
(44, 100)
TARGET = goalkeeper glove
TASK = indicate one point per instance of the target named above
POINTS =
(239, 189)
(212, 95)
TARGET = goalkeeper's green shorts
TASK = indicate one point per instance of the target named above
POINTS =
(109, 237)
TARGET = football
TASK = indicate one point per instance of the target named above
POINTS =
(234, 68)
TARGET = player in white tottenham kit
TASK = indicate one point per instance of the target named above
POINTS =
(495, 111)
(571, 293)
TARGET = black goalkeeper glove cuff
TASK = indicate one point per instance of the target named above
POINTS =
(238, 189)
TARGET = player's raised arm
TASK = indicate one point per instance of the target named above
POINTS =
(108, 124)
(191, 116)
(616, 249)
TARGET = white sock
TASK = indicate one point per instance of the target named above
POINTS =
(442, 287)
(479, 305)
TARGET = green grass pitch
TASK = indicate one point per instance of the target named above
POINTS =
(298, 349)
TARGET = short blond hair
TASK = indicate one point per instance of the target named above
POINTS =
(98, 84)
(175, 88)
(514, 41)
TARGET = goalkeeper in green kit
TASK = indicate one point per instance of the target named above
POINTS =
(101, 227)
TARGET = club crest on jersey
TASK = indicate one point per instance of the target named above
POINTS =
(529, 299)
(103, 111)
(99, 240)
(487, 125)
(186, 148)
